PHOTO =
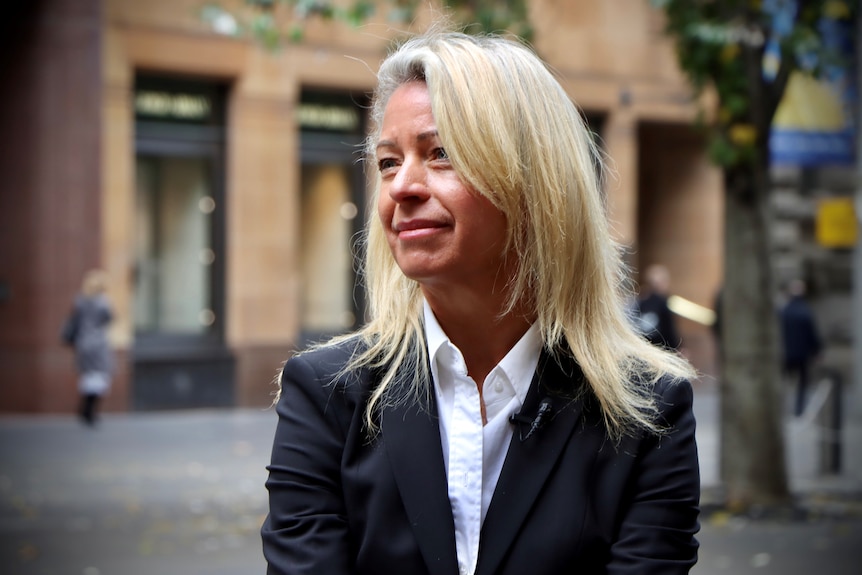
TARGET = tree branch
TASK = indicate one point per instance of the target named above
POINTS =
(775, 91)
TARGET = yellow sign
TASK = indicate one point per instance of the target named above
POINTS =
(836, 225)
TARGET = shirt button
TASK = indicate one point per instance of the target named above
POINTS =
(498, 387)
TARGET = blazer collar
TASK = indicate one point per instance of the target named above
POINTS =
(411, 437)
(530, 460)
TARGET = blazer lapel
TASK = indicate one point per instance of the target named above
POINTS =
(529, 461)
(412, 439)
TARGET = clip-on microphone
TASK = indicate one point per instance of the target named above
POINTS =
(543, 415)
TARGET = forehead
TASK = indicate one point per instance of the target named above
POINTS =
(408, 107)
(413, 90)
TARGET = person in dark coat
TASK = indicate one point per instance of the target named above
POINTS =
(87, 333)
(655, 319)
(718, 324)
(801, 340)
(497, 414)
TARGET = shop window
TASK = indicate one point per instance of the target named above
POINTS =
(327, 266)
(332, 194)
(180, 358)
(174, 252)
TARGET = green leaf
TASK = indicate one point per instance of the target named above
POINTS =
(722, 152)
(263, 28)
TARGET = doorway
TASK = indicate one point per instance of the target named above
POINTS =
(332, 192)
(179, 356)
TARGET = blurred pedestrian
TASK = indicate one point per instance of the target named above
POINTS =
(656, 320)
(497, 413)
(86, 330)
(718, 305)
(801, 339)
(718, 325)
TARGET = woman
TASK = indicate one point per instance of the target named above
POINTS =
(497, 414)
(88, 332)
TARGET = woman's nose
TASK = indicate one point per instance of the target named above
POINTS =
(410, 182)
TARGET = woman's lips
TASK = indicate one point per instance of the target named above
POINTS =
(417, 228)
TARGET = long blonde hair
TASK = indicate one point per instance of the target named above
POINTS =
(514, 136)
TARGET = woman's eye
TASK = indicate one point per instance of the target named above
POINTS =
(440, 154)
(385, 163)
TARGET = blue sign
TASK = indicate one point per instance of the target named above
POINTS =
(814, 124)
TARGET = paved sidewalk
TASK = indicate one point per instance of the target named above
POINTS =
(182, 493)
(172, 493)
(804, 442)
(824, 535)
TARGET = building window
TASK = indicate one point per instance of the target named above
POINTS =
(179, 213)
(328, 212)
(180, 358)
(174, 252)
(333, 196)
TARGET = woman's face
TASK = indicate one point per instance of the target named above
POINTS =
(441, 233)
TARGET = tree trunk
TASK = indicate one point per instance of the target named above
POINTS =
(752, 445)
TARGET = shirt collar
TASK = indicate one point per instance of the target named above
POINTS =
(518, 365)
(435, 339)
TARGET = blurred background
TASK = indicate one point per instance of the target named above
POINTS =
(218, 182)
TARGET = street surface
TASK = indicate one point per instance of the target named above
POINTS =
(141, 494)
(182, 493)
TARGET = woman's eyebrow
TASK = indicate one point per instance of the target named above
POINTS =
(423, 136)
(429, 135)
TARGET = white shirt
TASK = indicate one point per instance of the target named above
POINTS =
(472, 453)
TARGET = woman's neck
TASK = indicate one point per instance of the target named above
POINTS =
(475, 325)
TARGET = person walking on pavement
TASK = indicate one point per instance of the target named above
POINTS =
(656, 320)
(86, 330)
(801, 339)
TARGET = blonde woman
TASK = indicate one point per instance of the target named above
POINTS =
(87, 332)
(497, 413)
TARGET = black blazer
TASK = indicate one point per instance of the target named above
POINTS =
(569, 500)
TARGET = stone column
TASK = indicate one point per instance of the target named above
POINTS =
(620, 137)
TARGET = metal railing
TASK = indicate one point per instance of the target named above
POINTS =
(824, 413)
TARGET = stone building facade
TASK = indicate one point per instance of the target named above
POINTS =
(218, 185)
